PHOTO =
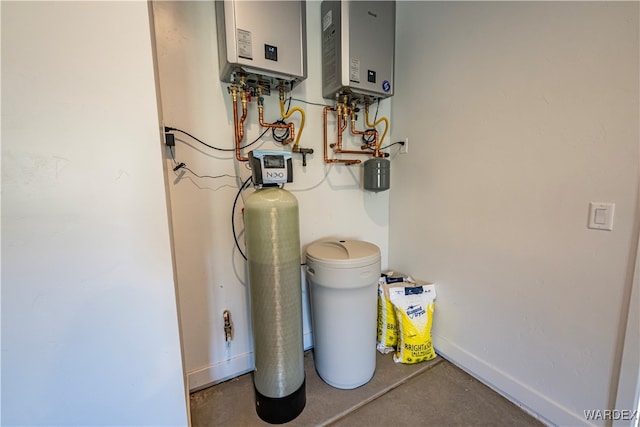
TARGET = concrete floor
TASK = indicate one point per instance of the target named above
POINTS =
(430, 393)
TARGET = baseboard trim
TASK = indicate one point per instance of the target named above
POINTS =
(222, 371)
(537, 404)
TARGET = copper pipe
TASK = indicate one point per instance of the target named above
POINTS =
(341, 128)
(340, 151)
(236, 126)
(337, 148)
(346, 161)
(374, 132)
(289, 126)
(367, 153)
(243, 98)
(234, 99)
(364, 132)
(325, 110)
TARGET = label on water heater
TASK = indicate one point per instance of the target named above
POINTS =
(327, 19)
(244, 44)
(354, 71)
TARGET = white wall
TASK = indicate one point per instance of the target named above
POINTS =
(89, 321)
(628, 395)
(519, 115)
(211, 273)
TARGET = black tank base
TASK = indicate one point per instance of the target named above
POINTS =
(280, 410)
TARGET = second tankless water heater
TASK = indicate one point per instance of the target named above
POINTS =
(358, 47)
(263, 38)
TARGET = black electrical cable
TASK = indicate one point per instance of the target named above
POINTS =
(310, 103)
(183, 165)
(281, 135)
(375, 117)
(289, 105)
(208, 176)
(171, 129)
(392, 144)
(243, 187)
(370, 139)
(278, 134)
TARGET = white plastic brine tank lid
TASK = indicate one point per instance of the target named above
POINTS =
(336, 253)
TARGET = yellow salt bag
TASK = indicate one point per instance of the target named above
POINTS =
(387, 331)
(414, 313)
(387, 337)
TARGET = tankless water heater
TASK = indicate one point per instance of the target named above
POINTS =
(263, 39)
(358, 47)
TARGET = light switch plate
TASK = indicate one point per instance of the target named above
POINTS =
(601, 216)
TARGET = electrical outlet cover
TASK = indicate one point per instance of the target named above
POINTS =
(404, 149)
(601, 216)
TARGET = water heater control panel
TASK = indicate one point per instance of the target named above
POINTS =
(270, 167)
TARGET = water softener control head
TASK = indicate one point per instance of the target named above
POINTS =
(270, 167)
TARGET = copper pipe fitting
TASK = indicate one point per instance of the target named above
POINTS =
(243, 98)
(236, 126)
(338, 147)
(340, 151)
(366, 133)
(289, 126)
(341, 129)
(325, 110)
(347, 162)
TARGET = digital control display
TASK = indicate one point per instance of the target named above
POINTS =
(273, 162)
(371, 76)
(270, 167)
(270, 52)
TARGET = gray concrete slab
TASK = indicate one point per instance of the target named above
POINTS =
(443, 396)
(231, 403)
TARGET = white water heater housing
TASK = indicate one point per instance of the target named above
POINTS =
(264, 40)
(358, 48)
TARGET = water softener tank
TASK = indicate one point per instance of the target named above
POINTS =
(273, 252)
